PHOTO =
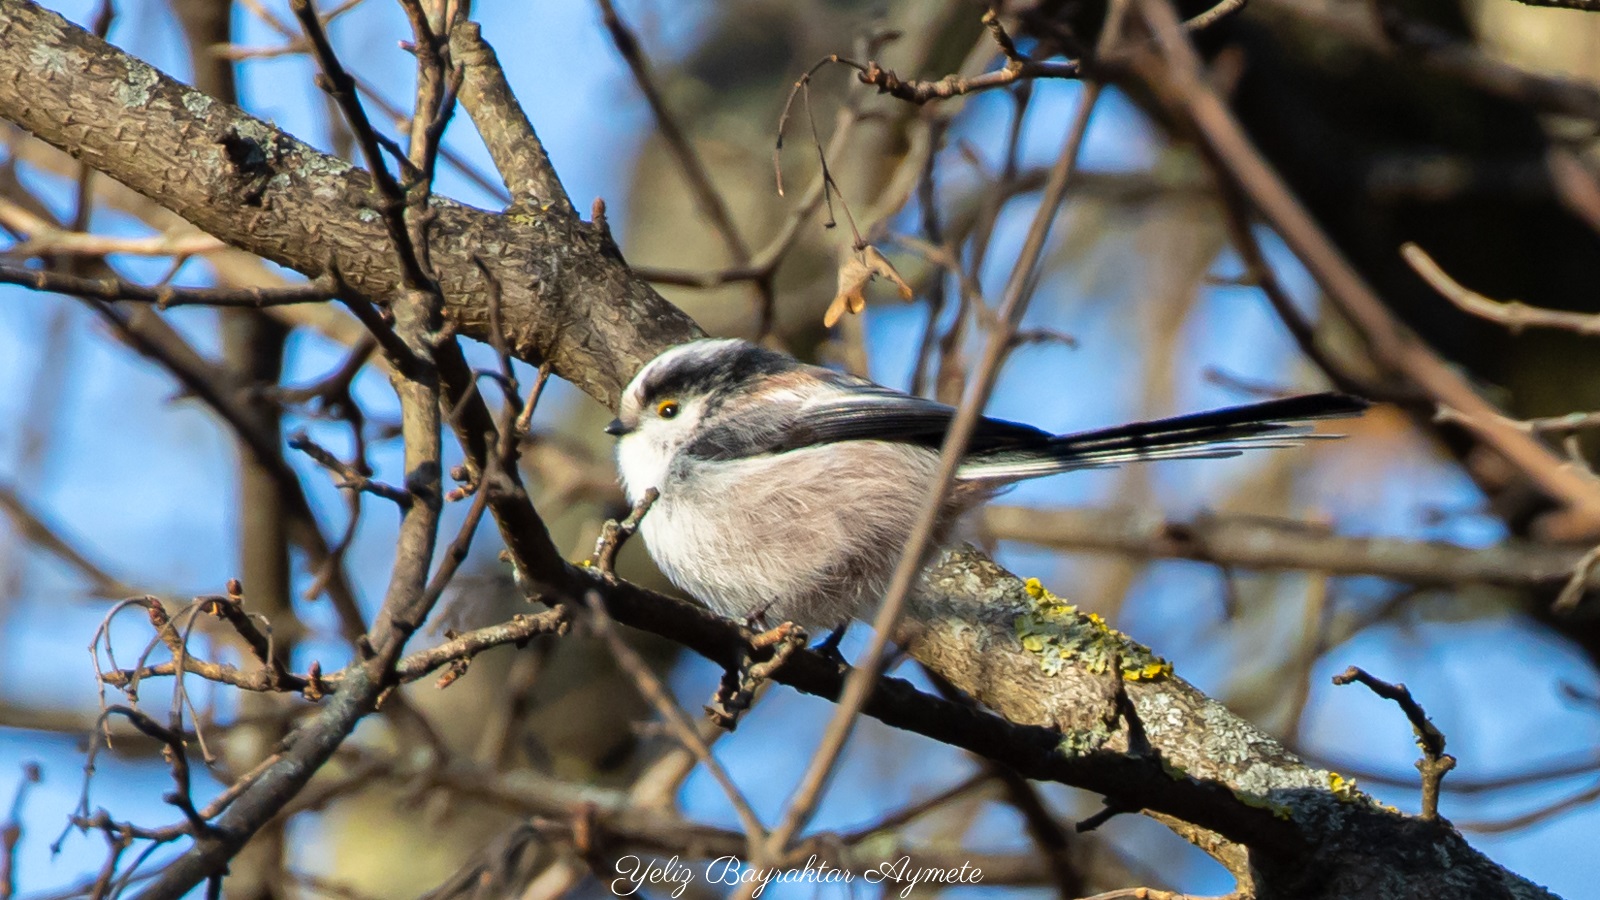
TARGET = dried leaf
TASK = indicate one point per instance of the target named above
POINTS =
(851, 297)
(855, 274)
(881, 266)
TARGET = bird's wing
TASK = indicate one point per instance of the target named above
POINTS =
(880, 414)
(858, 412)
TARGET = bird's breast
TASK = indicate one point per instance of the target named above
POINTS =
(643, 465)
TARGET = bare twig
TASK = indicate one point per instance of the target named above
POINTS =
(1260, 272)
(1018, 68)
(860, 682)
(693, 167)
(459, 648)
(1434, 762)
(177, 758)
(1047, 834)
(1149, 894)
(920, 91)
(1515, 316)
(350, 477)
(525, 418)
(1564, 427)
(764, 263)
(31, 527)
(1548, 811)
(1249, 542)
(615, 534)
(46, 238)
(166, 296)
(1578, 584)
(677, 720)
(1213, 15)
(391, 200)
(11, 831)
(1585, 5)
(1178, 81)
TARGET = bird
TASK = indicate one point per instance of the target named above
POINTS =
(787, 492)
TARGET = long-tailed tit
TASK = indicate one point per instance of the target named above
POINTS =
(787, 492)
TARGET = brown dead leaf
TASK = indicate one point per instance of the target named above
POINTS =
(881, 266)
(851, 296)
(855, 274)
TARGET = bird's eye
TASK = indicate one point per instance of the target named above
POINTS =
(667, 409)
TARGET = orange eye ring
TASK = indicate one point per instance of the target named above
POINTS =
(667, 409)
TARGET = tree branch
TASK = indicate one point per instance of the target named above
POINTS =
(1273, 544)
(566, 299)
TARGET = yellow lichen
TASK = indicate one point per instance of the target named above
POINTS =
(1344, 788)
(1055, 631)
(1155, 671)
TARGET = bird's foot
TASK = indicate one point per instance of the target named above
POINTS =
(829, 646)
(769, 650)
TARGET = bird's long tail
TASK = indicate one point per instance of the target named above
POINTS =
(1207, 435)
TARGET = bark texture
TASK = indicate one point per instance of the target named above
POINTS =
(568, 296)
(1284, 828)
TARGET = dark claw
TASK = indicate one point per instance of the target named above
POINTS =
(829, 646)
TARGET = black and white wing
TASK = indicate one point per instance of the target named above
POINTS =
(874, 413)
(851, 411)
(1001, 451)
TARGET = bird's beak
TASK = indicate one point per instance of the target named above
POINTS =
(615, 428)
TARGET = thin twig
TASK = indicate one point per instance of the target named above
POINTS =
(1578, 584)
(391, 200)
(30, 526)
(1149, 894)
(615, 534)
(1515, 316)
(677, 720)
(11, 831)
(1585, 5)
(1018, 68)
(525, 418)
(165, 296)
(1434, 762)
(860, 682)
(704, 190)
(1275, 544)
(350, 477)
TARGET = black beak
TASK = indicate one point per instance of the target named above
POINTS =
(615, 428)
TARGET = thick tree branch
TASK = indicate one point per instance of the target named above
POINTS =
(567, 299)
(505, 129)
